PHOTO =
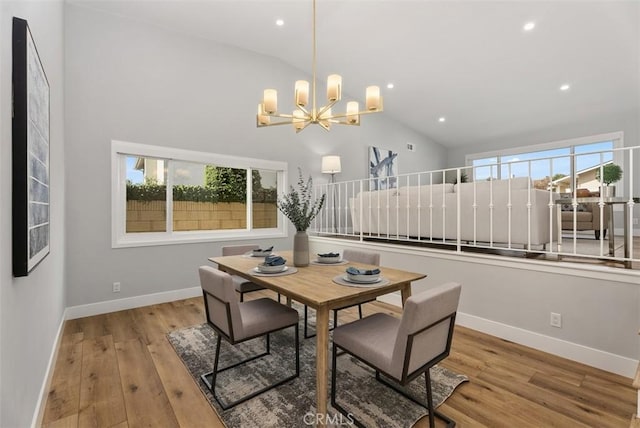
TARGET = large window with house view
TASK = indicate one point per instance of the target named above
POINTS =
(163, 195)
(554, 166)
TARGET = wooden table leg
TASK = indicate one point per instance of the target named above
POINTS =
(322, 362)
(406, 292)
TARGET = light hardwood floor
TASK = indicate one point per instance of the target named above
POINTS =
(118, 370)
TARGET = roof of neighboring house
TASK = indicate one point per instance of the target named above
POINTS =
(566, 177)
(139, 164)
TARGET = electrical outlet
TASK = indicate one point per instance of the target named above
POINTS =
(635, 221)
(116, 287)
(411, 147)
(556, 320)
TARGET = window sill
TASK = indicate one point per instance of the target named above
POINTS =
(156, 239)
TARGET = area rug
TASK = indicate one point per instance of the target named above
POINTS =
(293, 404)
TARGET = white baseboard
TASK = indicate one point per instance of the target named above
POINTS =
(603, 360)
(38, 415)
(91, 309)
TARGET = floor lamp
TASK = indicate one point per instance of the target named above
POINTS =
(331, 165)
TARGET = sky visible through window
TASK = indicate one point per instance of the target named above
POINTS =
(541, 166)
(134, 175)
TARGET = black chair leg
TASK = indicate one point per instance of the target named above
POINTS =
(297, 351)
(429, 405)
(360, 310)
(212, 384)
(427, 381)
(241, 297)
(306, 324)
(334, 371)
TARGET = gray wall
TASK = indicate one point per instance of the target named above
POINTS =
(31, 308)
(137, 83)
(602, 314)
(628, 122)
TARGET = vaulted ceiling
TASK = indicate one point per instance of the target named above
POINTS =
(470, 62)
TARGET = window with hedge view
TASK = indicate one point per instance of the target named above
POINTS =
(199, 196)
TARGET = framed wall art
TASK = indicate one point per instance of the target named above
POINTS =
(30, 145)
(383, 168)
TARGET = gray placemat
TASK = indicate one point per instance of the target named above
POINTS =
(341, 262)
(341, 281)
(290, 270)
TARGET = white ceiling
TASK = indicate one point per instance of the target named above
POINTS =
(469, 61)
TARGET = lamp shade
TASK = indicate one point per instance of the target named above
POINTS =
(331, 164)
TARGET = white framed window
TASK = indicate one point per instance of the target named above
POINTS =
(163, 195)
(555, 165)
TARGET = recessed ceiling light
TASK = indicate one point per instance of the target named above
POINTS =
(389, 85)
(529, 26)
(279, 22)
(442, 119)
(565, 87)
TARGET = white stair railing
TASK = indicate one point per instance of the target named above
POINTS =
(510, 214)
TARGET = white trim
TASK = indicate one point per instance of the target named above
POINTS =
(38, 413)
(617, 138)
(121, 239)
(590, 139)
(630, 276)
(98, 308)
(603, 360)
(153, 239)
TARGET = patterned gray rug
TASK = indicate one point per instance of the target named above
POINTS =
(293, 404)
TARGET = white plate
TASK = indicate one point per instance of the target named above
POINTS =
(371, 281)
(257, 269)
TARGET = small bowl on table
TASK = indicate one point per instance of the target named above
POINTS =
(363, 277)
(271, 269)
(329, 258)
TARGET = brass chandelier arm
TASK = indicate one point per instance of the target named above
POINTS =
(325, 108)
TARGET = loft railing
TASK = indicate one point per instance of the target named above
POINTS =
(522, 213)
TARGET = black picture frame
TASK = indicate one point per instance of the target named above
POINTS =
(30, 146)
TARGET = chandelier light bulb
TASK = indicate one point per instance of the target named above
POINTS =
(270, 101)
(373, 98)
(302, 93)
(352, 112)
(334, 87)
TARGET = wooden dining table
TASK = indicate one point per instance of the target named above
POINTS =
(313, 286)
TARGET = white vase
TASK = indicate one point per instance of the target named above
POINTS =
(301, 249)
(608, 191)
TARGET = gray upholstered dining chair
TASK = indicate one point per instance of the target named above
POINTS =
(402, 349)
(241, 284)
(238, 322)
(355, 256)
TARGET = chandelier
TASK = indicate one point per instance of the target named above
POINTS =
(303, 115)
